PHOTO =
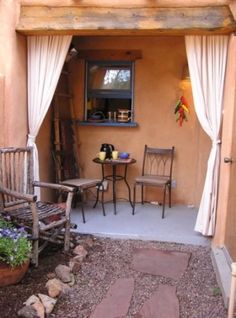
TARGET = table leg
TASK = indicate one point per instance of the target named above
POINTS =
(114, 186)
(130, 200)
(100, 184)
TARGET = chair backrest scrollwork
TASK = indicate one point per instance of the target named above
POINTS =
(158, 161)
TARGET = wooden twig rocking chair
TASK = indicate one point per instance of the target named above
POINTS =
(46, 222)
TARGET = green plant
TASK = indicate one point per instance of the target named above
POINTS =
(216, 291)
(15, 246)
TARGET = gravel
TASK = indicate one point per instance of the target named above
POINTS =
(108, 259)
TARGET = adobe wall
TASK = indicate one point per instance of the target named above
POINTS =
(13, 110)
(157, 79)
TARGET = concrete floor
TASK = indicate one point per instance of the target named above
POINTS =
(146, 224)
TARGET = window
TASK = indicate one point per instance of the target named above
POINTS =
(109, 91)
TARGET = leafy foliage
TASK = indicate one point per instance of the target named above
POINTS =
(15, 246)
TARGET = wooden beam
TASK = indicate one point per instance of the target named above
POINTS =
(125, 3)
(123, 21)
(232, 7)
(116, 55)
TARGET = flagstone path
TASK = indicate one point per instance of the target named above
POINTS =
(117, 301)
(163, 303)
(163, 263)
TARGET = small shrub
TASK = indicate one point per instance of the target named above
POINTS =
(15, 246)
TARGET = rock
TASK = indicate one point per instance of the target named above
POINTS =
(31, 300)
(72, 245)
(77, 238)
(48, 303)
(65, 288)
(75, 264)
(35, 302)
(72, 282)
(63, 272)
(56, 287)
(39, 307)
(80, 252)
(87, 243)
(51, 275)
(27, 312)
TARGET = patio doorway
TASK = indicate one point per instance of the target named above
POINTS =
(157, 78)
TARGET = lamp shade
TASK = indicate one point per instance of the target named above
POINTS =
(185, 82)
(185, 75)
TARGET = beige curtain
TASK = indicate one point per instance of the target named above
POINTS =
(207, 63)
(46, 56)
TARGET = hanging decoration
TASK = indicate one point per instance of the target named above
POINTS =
(181, 110)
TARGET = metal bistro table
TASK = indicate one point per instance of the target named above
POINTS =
(114, 177)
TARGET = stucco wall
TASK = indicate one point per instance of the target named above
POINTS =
(12, 78)
(157, 78)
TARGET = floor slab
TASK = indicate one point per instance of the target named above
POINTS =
(162, 304)
(146, 224)
(164, 263)
(117, 301)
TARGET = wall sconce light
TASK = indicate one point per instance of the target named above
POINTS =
(71, 53)
(185, 80)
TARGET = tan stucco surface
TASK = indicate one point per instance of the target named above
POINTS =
(12, 78)
(157, 78)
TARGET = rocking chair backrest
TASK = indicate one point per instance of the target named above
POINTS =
(16, 172)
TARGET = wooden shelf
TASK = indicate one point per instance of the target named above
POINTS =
(107, 124)
(110, 55)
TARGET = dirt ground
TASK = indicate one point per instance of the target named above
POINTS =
(197, 290)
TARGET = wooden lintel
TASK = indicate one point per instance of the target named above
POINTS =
(118, 55)
(232, 7)
(120, 21)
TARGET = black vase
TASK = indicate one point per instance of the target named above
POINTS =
(107, 148)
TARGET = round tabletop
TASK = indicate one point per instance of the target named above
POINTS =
(114, 161)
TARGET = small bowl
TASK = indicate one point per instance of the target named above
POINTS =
(124, 155)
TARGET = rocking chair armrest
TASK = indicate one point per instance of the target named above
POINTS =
(18, 195)
(55, 186)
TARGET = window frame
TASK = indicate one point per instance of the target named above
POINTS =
(109, 93)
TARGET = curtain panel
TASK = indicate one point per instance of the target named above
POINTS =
(46, 56)
(207, 56)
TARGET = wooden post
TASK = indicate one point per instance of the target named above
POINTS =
(232, 291)
(2, 109)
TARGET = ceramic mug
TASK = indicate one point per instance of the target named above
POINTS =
(102, 155)
(115, 154)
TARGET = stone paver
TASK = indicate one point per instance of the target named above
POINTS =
(162, 304)
(164, 263)
(117, 301)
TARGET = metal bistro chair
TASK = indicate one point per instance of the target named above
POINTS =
(156, 172)
(82, 185)
(67, 174)
(46, 222)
